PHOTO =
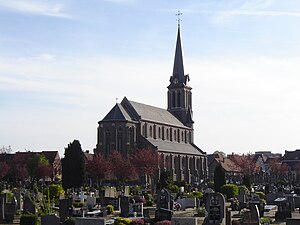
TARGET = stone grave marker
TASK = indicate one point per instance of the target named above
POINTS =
(164, 200)
(251, 217)
(284, 209)
(19, 199)
(215, 207)
(187, 203)
(65, 206)
(163, 214)
(184, 221)
(90, 202)
(115, 202)
(2, 201)
(89, 221)
(50, 220)
(127, 191)
(29, 206)
(136, 209)
(124, 205)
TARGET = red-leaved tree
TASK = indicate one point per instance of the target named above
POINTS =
(247, 165)
(146, 162)
(121, 167)
(4, 168)
(278, 169)
(98, 169)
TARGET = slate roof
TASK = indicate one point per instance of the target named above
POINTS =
(117, 113)
(175, 147)
(155, 114)
(50, 155)
(291, 155)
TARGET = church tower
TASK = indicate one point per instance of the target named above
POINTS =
(179, 91)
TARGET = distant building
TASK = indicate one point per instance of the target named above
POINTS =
(131, 125)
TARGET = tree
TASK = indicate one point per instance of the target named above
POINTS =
(278, 169)
(73, 166)
(121, 167)
(145, 162)
(98, 169)
(219, 178)
(247, 165)
(5, 150)
(38, 167)
(4, 168)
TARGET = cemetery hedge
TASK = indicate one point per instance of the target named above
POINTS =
(230, 190)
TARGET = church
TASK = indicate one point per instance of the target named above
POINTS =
(131, 125)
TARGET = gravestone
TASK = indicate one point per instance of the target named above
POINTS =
(110, 192)
(19, 199)
(136, 209)
(184, 221)
(251, 217)
(127, 191)
(89, 221)
(228, 216)
(164, 200)
(124, 205)
(90, 202)
(50, 220)
(115, 202)
(187, 203)
(284, 209)
(215, 207)
(29, 206)
(163, 214)
(294, 221)
(2, 201)
(65, 206)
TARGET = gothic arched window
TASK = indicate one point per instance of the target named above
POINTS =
(120, 139)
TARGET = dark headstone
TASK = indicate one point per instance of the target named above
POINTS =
(284, 209)
(251, 217)
(50, 220)
(164, 200)
(124, 204)
(10, 211)
(163, 214)
(228, 216)
(294, 221)
(215, 207)
(2, 201)
(65, 206)
(29, 206)
(115, 202)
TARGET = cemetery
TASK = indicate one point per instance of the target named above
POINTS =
(112, 205)
(82, 197)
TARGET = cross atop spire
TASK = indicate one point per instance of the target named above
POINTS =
(178, 14)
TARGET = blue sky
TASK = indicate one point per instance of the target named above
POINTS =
(64, 63)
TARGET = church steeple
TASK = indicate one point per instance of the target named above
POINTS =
(178, 71)
(179, 91)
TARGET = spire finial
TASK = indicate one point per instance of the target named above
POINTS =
(178, 14)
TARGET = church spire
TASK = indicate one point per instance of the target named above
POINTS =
(178, 71)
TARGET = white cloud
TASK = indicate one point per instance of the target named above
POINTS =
(33, 7)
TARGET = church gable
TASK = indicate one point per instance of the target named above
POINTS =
(117, 113)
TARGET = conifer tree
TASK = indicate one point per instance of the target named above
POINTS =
(219, 178)
(73, 166)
